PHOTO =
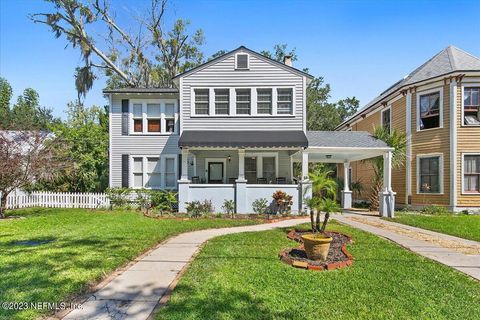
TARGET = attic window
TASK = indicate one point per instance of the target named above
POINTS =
(241, 61)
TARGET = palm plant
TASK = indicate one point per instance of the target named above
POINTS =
(323, 187)
(396, 140)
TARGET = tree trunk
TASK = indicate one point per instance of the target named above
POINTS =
(312, 220)
(317, 223)
(376, 188)
(325, 221)
(3, 205)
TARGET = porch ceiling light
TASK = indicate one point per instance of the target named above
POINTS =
(229, 158)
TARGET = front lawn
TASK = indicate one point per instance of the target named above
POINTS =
(459, 225)
(54, 253)
(239, 276)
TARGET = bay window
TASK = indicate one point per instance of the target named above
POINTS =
(471, 106)
(285, 101)
(471, 173)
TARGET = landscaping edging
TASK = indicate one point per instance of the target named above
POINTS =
(293, 235)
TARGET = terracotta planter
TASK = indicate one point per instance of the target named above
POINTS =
(316, 246)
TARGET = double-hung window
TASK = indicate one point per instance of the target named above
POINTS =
(138, 172)
(170, 172)
(264, 101)
(386, 119)
(154, 116)
(429, 111)
(471, 106)
(429, 174)
(471, 173)
(153, 173)
(243, 101)
(222, 101)
(137, 117)
(202, 105)
(285, 101)
(170, 117)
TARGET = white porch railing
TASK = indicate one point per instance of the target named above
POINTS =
(20, 199)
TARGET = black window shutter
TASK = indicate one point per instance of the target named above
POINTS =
(179, 166)
(124, 117)
(124, 170)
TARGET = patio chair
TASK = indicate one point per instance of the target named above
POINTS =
(261, 181)
(196, 179)
(281, 180)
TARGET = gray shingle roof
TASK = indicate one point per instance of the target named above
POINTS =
(339, 139)
(450, 59)
(243, 139)
(141, 90)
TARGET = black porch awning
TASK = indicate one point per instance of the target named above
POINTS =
(243, 139)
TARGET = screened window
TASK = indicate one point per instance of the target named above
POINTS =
(429, 175)
(243, 101)
(269, 169)
(284, 101)
(430, 111)
(169, 172)
(251, 169)
(471, 106)
(201, 101)
(137, 118)
(222, 101)
(386, 117)
(153, 117)
(471, 173)
(242, 61)
(138, 172)
(153, 172)
(264, 101)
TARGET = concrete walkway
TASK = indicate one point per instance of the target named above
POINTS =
(460, 254)
(135, 293)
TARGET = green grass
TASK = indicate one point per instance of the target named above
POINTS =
(239, 276)
(86, 246)
(459, 225)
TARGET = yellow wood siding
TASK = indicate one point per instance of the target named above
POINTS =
(468, 141)
(428, 142)
(399, 174)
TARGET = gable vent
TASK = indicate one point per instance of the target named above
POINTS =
(242, 61)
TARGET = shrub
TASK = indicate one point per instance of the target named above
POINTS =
(197, 208)
(283, 201)
(118, 196)
(143, 199)
(162, 200)
(229, 207)
(260, 206)
(435, 210)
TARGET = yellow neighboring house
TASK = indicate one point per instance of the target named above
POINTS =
(437, 106)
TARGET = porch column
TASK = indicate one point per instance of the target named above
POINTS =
(387, 196)
(305, 187)
(241, 185)
(346, 192)
(184, 183)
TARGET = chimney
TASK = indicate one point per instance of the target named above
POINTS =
(287, 60)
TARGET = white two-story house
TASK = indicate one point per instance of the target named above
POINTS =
(231, 131)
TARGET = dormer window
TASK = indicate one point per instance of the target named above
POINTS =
(241, 61)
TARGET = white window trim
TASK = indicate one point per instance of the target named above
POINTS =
(440, 172)
(463, 169)
(161, 158)
(417, 106)
(248, 61)
(233, 103)
(215, 101)
(462, 120)
(259, 156)
(223, 160)
(389, 107)
(163, 126)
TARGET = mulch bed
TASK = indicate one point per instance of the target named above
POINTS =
(338, 256)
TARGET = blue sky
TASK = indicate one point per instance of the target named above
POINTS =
(360, 47)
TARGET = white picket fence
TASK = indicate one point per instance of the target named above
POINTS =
(20, 199)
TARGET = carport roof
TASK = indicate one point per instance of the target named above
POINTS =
(342, 139)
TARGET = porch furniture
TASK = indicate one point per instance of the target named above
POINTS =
(261, 181)
(231, 180)
(196, 179)
(281, 180)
